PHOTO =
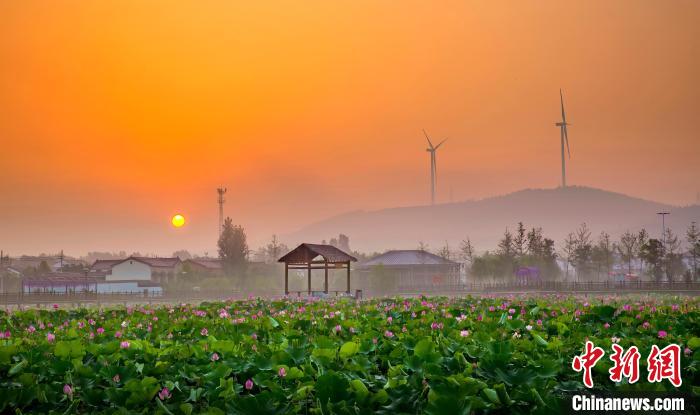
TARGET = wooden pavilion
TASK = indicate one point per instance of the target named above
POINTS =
(316, 256)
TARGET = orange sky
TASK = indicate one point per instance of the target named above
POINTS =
(116, 114)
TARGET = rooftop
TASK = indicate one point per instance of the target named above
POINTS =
(407, 257)
(308, 252)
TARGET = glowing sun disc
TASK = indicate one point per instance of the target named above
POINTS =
(178, 220)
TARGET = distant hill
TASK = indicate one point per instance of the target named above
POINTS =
(558, 211)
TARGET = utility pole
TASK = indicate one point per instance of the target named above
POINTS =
(61, 260)
(221, 191)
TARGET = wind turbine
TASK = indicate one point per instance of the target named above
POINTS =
(564, 137)
(433, 166)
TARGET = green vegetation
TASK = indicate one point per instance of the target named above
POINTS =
(427, 355)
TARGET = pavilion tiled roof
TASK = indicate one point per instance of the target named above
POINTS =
(308, 252)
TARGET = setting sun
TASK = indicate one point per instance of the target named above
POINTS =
(178, 221)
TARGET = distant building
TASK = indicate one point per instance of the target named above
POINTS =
(158, 270)
(407, 270)
(71, 282)
(102, 267)
(129, 275)
(204, 266)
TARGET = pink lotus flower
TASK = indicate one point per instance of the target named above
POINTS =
(50, 337)
(68, 390)
(164, 394)
(31, 329)
(464, 333)
(606, 325)
(118, 334)
(282, 372)
(389, 334)
(249, 384)
(100, 330)
(124, 345)
(687, 351)
(204, 332)
(55, 306)
(389, 319)
(214, 357)
(646, 325)
(662, 334)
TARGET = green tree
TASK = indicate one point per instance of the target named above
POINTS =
(444, 252)
(506, 255)
(582, 251)
(233, 248)
(642, 239)
(568, 251)
(652, 253)
(466, 251)
(628, 248)
(44, 268)
(673, 260)
(692, 236)
(520, 241)
(273, 250)
(602, 255)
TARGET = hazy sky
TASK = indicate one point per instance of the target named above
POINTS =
(114, 115)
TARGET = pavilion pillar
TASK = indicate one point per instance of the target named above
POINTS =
(309, 276)
(325, 281)
(286, 278)
(348, 277)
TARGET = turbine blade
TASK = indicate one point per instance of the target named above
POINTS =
(563, 114)
(428, 138)
(438, 146)
(566, 138)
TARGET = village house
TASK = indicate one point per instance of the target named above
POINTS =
(130, 275)
(204, 266)
(409, 270)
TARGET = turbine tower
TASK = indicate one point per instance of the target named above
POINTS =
(433, 166)
(564, 138)
(221, 191)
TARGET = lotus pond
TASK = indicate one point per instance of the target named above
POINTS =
(399, 355)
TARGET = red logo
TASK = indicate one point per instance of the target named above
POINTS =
(662, 364)
(626, 364)
(586, 362)
(665, 364)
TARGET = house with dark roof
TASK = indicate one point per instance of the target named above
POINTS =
(102, 267)
(204, 266)
(409, 270)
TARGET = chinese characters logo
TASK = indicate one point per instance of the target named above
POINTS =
(662, 363)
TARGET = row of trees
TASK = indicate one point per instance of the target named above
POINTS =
(523, 248)
(584, 257)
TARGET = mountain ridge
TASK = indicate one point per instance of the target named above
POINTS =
(558, 211)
